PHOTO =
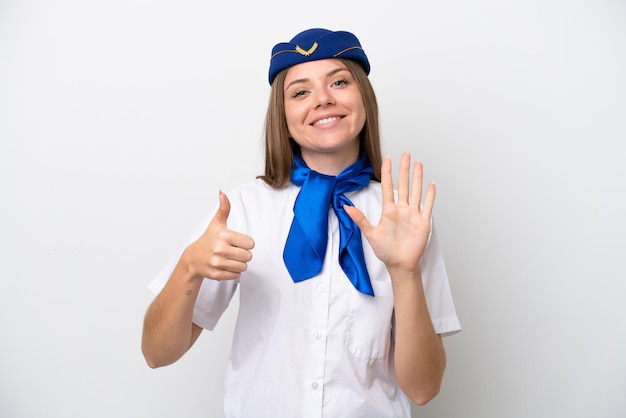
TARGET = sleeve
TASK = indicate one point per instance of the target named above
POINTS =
(437, 288)
(214, 296)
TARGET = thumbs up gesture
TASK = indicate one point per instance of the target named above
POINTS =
(219, 253)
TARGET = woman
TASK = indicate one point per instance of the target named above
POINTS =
(329, 324)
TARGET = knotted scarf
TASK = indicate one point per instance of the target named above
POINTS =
(306, 243)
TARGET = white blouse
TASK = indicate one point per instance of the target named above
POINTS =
(318, 348)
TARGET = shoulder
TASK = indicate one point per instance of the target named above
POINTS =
(256, 202)
(258, 189)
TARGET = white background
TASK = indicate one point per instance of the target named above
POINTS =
(121, 120)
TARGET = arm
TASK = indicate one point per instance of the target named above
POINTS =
(399, 240)
(167, 330)
(419, 353)
(222, 254)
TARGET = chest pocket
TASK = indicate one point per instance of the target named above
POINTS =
(368, 326)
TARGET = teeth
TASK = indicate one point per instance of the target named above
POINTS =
(325, 121)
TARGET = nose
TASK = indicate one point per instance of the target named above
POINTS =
(324, 97)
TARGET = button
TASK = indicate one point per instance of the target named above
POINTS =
(315, 385)
(321, 287)
(318, 335)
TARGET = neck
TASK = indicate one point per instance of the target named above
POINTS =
(330, 164)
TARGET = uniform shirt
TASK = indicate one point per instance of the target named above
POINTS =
(318, 348)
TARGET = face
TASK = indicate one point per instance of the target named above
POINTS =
(325, 114)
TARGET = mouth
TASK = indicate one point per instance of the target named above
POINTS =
(326, 120)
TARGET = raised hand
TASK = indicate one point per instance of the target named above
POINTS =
(400, 238)
(220, 253)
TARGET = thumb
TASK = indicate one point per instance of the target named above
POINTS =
(223, 211)
(358, 217)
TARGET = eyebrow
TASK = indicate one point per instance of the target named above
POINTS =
(303, 80)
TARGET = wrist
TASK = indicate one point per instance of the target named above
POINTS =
(187, 271)
(399, 272)
(406, 281)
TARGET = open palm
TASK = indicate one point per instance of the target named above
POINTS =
(400, 238)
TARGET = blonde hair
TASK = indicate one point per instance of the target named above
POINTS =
(280, 148)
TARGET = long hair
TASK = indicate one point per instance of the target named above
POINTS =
(280, 148)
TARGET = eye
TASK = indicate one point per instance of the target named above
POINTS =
(340, 83)
(299, 93)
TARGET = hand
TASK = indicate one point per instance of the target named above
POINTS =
(400, 238)
(220, 253)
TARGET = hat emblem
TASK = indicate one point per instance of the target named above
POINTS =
(308, 52)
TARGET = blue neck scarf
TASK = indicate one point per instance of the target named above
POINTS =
(306, 243)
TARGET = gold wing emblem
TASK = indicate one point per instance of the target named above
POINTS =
(306, 53)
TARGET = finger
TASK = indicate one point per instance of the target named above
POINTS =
(418, 178)
(224, 275)
(359, 218)
(239, 240)
(223, 211)
(386, 181)
(229, 265)
(429, 201)
(232, 272)
(403, 178)
(225, 250)
(233, 238)
(230, 259)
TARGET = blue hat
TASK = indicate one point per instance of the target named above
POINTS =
(316, 44)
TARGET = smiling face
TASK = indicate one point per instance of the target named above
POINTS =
(325, 114)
